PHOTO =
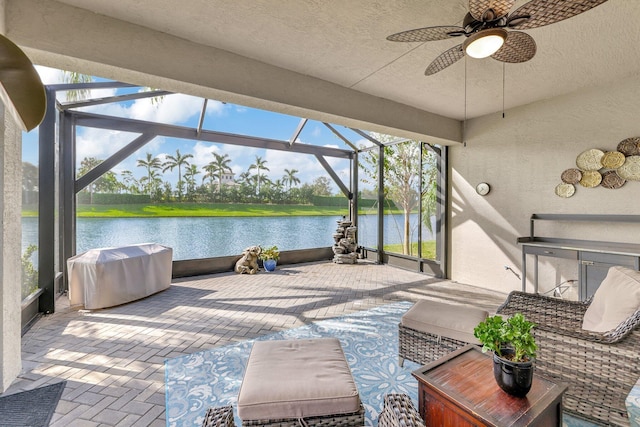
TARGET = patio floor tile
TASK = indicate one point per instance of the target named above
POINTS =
(113, 359)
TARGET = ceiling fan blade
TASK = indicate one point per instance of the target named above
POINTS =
(518, 47)
(477, 8)
(21, 90)
(545, 12)
(445, 59)
(427, 34)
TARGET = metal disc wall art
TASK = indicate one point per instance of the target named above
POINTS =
(565, 190)
(591, 179)
(590, 160)
(571, 176)
(608, 169)
(629, 146)
(631, 169)
(613, 159)
(612, 180)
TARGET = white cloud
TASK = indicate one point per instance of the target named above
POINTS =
(242, 157)
(100, 143)
(203, 153)
(331, 146)
(49, 75)
(215, 108)
(173, 109)
(152, 146)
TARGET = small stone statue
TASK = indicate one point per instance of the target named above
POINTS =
(248, 263)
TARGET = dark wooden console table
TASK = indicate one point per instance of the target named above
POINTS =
(594, 257)
(460, 390)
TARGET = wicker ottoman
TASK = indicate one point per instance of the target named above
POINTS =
(221, 416)
(291, 380)
(430, 330)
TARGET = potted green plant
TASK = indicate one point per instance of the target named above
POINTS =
(269, 257)
(514, 351)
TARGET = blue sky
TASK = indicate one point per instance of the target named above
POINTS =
(185, 110)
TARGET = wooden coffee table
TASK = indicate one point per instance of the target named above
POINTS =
(460, 390)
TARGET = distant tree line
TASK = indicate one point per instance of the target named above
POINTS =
(212, 183)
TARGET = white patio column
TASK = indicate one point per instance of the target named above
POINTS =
(10, 248)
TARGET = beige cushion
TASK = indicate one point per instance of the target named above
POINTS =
(297, 379)
(617, 298)
(444, 319)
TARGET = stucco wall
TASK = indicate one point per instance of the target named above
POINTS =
(522, 157)
(10, 244)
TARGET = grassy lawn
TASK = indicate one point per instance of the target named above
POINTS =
(202, 210)
(428, 249)
(199, 210)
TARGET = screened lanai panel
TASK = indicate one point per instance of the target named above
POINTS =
(368, 203)
(170, 109)
(410, 202)
(367, 220)
(330, 135)
(30, 195)
(197, 180)
(241, 120)
(207, 200)
(402, 197)
(429, 204)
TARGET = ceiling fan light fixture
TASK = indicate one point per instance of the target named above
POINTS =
(484, 43)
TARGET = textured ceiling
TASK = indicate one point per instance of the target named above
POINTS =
(343, 42)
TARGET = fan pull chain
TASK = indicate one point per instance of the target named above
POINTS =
(503, 65)
(464, 123)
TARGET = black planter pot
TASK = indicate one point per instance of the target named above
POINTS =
(514, 378)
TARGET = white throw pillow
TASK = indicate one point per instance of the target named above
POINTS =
(617, 298)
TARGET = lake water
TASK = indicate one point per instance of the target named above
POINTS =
(193, 238)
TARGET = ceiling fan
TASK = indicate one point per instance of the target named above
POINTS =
(485, 28)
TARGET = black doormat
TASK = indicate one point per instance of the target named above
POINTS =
(32, 408)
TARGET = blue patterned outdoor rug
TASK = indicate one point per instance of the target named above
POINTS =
(370, 342)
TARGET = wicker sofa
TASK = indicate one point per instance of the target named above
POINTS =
(399, 411)
(432, 329)
(599, 368)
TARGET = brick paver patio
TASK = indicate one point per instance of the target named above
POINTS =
(113, 359)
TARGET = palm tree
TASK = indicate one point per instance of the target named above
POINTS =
(277, 190)
(177, 161)
(259, 165)
(152, 183)
(247, 185)
(87, 164)
(81, 94)
(190, 178)
(151, 163)
(245, 178)
(131, 184)
(75, 77)
(218, 167)
(210, 174)
(290, 178)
